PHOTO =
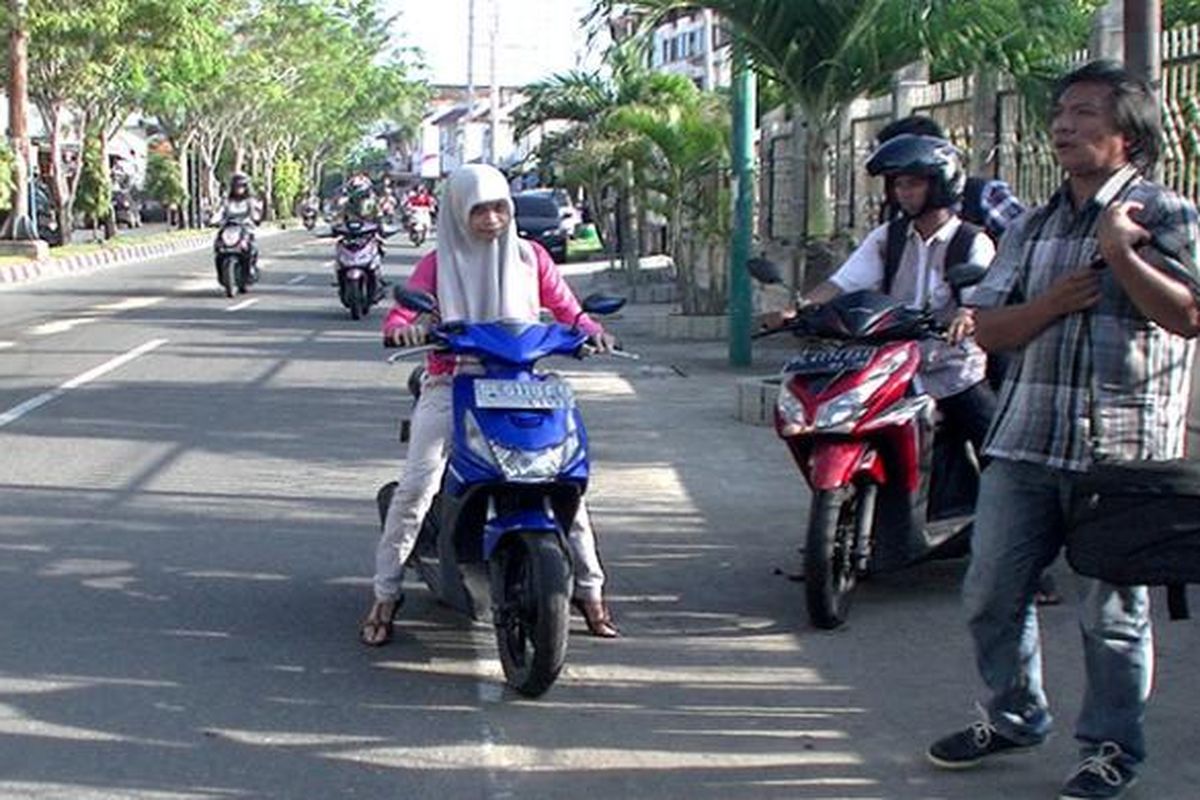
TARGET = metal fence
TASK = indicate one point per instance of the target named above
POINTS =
(1018, 149)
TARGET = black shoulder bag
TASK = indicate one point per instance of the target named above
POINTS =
(1137, 523)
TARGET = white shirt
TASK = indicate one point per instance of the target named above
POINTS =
(920, 282)
(922, 259)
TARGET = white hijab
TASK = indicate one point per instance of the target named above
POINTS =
(480, 281)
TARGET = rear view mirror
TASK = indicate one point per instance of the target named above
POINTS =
(960, 276)
(421, 302)
(602, 304)
(764, 270)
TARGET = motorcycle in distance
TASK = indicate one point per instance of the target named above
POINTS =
(234, 253)
(418, 221)
(495, 536)
(890, 486)
(308, 215)
(358, 261)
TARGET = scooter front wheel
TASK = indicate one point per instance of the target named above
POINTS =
(531, 583)
(839, 523)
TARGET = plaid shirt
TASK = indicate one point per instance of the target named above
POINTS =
(1109, 382)
(999, 207)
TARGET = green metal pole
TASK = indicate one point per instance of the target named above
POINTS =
(740, 310)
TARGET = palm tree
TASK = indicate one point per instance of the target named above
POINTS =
(587, 100)
(825, 53)
(688, 144)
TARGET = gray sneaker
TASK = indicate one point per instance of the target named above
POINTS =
(966, 748)
(1100, 776)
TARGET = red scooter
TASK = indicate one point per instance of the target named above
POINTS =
(890, 487)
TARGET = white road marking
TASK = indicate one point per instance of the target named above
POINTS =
(243, 304)
(7, 345)
(21, 409)
(297, 279)
(92, 314)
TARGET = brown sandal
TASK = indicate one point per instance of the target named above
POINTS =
(598, 618)
(376, 628)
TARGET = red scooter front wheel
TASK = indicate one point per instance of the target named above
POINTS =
(839, 529)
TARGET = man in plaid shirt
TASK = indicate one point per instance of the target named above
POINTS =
(1096, 296)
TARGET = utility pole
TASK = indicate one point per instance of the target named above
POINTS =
(743, 111)
(466, 121)
(494, 94)
(1143, 34)
(19, 225)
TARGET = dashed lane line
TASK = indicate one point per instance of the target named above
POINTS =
(21, 409)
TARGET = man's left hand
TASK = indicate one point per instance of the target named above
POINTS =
(1118, 233)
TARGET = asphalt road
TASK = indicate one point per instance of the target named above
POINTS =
(186, 529)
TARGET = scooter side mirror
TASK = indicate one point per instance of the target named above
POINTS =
(960, 276)
(421, 302)
(602, 304)
(764, 270)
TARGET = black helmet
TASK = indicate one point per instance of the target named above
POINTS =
(910, 154)
(239, 185)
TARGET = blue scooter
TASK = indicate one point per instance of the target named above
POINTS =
(516, 472)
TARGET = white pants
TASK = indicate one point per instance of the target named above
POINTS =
(420, 478)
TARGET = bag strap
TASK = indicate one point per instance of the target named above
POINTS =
(897, 237)
(1177, 601)
(958, 251)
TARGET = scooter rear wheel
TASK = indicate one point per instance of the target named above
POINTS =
(837, 520)
(531, 581)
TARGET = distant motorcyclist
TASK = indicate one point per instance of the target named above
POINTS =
(359, 208)
(358, 202)
(240, 206)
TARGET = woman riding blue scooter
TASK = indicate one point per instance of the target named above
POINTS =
(480, 271)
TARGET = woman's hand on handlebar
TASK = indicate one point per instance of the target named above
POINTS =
(602, 342)
(413, 335)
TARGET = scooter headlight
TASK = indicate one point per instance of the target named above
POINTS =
(793, 418)
(843, 412)
(477, 443)
(533, 466)
(231, 236)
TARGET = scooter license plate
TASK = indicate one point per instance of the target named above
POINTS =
(823, 361)
(522, 394)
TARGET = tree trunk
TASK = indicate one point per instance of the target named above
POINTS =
(18, 225)
(629, 248)
(816, 184)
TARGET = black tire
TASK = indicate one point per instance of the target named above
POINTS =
(243, 275)
(356, 299)
(838, 518)
(531, 579)
(228, 275)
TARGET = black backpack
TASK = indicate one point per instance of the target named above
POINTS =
(957, 252)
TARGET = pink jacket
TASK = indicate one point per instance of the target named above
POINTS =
(554, 295)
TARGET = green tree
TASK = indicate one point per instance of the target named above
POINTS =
(587, 100)
(1180, 13)
(688, 145)
(94, 196)
(289, 183)
(164, 182)
(828, 52)
(7, 163)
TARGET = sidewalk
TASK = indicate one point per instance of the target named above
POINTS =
(702, 517)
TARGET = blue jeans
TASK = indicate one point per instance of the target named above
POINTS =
(1019, 524)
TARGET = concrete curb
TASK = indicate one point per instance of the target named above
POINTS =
(32, 271)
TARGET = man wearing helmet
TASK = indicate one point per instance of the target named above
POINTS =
(907, 259)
